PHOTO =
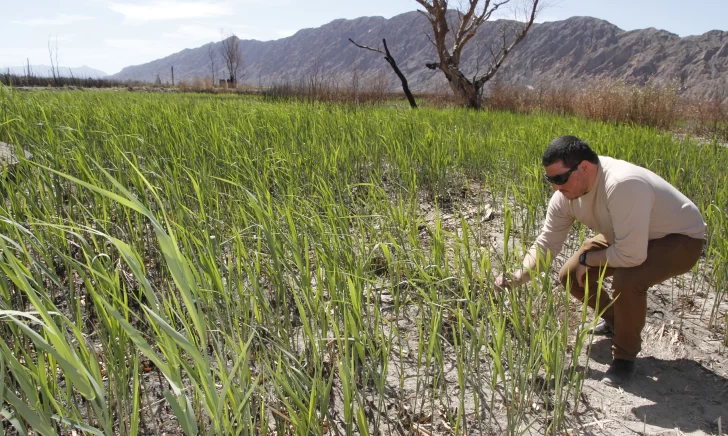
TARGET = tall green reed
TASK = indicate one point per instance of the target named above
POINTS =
(250, 250)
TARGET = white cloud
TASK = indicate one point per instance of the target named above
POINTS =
(166, 10)
(59, 20)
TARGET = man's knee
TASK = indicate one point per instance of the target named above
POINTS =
(567, 272)
(625, 281)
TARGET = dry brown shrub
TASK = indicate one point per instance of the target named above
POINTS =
(709, 117)
(196, 84)
(654, 105)
(603, 100)
(440, 97)
(506, 97)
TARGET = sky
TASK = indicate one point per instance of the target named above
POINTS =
(111, 34)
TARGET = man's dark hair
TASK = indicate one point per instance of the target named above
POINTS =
(570, 150)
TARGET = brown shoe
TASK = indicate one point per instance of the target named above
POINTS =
(602, 329)
(620, 372)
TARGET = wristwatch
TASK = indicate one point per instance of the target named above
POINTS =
(582, 259)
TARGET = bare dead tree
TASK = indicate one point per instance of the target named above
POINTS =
(53, 54)
(390, 60)
(211, 55)
(471, 16)
(233, 56)
(29, 70)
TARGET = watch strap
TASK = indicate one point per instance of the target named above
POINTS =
(582, 259)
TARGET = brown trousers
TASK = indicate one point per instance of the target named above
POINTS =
(667, 257)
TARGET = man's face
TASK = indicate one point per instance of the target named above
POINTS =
(575, 185)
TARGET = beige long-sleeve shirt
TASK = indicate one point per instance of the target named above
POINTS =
(629, 205)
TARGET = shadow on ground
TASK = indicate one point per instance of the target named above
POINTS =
(683, 394)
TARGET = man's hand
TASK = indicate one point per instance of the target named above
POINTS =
(507, 281)
(502, 282)
(580, 274)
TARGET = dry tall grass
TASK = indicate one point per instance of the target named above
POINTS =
(709, 118)
(660, 106)
(606, 100)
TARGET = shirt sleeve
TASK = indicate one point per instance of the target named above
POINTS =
(630, 207)
(555, 228)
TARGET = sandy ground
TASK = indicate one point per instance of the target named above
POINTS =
(681, 385)
(7, 154)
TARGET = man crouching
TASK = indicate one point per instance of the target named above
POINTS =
(648, 232)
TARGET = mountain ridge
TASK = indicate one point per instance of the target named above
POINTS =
(567, 51)
(42, 70)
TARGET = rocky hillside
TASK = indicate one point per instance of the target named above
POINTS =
(568, 51)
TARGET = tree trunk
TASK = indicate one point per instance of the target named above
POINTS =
(392, 63)
(467, 92)
(402, 78)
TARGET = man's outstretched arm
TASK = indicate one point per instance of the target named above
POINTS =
(548, 245)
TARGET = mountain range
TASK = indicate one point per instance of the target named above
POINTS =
(570, 51)
(82, 72)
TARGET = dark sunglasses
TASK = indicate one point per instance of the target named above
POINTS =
(561, 179)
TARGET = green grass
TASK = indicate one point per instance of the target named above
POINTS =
(271, 267)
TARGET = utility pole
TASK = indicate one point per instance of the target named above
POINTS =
(172, 75)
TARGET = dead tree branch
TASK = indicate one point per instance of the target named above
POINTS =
(211, 55)
(390, 60)
(53, 54)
